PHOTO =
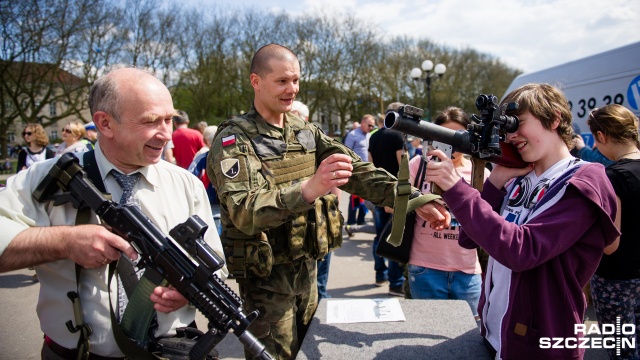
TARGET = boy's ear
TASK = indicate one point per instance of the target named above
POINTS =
(556, 121)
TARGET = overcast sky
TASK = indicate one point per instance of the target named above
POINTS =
(529, 35)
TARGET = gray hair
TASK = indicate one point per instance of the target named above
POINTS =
(302, 109)
(104, 93)
(103, 96)
(208, 134)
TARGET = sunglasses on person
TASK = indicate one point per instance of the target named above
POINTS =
(25, 133)
(68, 131)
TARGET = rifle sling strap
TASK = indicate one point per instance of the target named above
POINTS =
(139, 312)
(402, 205)
(129, 347)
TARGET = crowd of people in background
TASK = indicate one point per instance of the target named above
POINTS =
(557, 225)
(186, 141)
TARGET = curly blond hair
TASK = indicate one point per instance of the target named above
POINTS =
(38, 135)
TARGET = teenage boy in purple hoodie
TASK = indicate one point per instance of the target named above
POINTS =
(544, 226)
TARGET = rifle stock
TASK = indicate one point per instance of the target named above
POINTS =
(193, 276)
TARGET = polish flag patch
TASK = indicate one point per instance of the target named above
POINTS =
(228, 140)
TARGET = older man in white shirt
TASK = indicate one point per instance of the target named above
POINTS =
(132, 111)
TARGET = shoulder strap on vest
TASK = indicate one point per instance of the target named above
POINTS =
(82, 217)
(251, 132)
(90, 166)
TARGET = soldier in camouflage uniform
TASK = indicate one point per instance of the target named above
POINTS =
(273, 172)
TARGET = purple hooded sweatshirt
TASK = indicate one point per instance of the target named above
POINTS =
(551, 257)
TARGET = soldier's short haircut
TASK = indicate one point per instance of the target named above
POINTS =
(260, 62)
(181, 117)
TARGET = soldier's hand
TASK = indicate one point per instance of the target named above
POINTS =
(435, 214)
(333, 171)
(167, 299)
(93, 246)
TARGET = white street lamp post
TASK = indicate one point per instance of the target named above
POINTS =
(427, 66)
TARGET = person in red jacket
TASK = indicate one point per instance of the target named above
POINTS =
(186, 142)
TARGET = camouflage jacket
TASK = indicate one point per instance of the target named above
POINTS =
(253, 203)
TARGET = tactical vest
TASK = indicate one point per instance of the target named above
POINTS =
(309, 234)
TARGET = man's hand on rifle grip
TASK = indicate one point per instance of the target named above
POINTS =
(94, 246)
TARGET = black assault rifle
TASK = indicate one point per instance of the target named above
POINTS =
(483, 139)
(193, 276)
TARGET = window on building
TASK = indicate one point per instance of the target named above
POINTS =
(52, 109)
(11, 136)
(53, 134)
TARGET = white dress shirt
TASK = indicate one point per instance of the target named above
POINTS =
(166, 193)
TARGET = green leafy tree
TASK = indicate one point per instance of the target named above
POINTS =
(37, 38)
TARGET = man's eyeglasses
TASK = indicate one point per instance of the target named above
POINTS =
(25, 133)
(371, 126)
(67, 131)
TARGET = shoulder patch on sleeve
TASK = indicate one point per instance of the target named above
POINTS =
(230, 167)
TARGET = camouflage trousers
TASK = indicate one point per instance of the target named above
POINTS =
(286, 300)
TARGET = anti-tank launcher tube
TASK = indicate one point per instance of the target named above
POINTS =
(408, 120)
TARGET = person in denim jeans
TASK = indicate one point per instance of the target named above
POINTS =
(358, 141)
(438, 267)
